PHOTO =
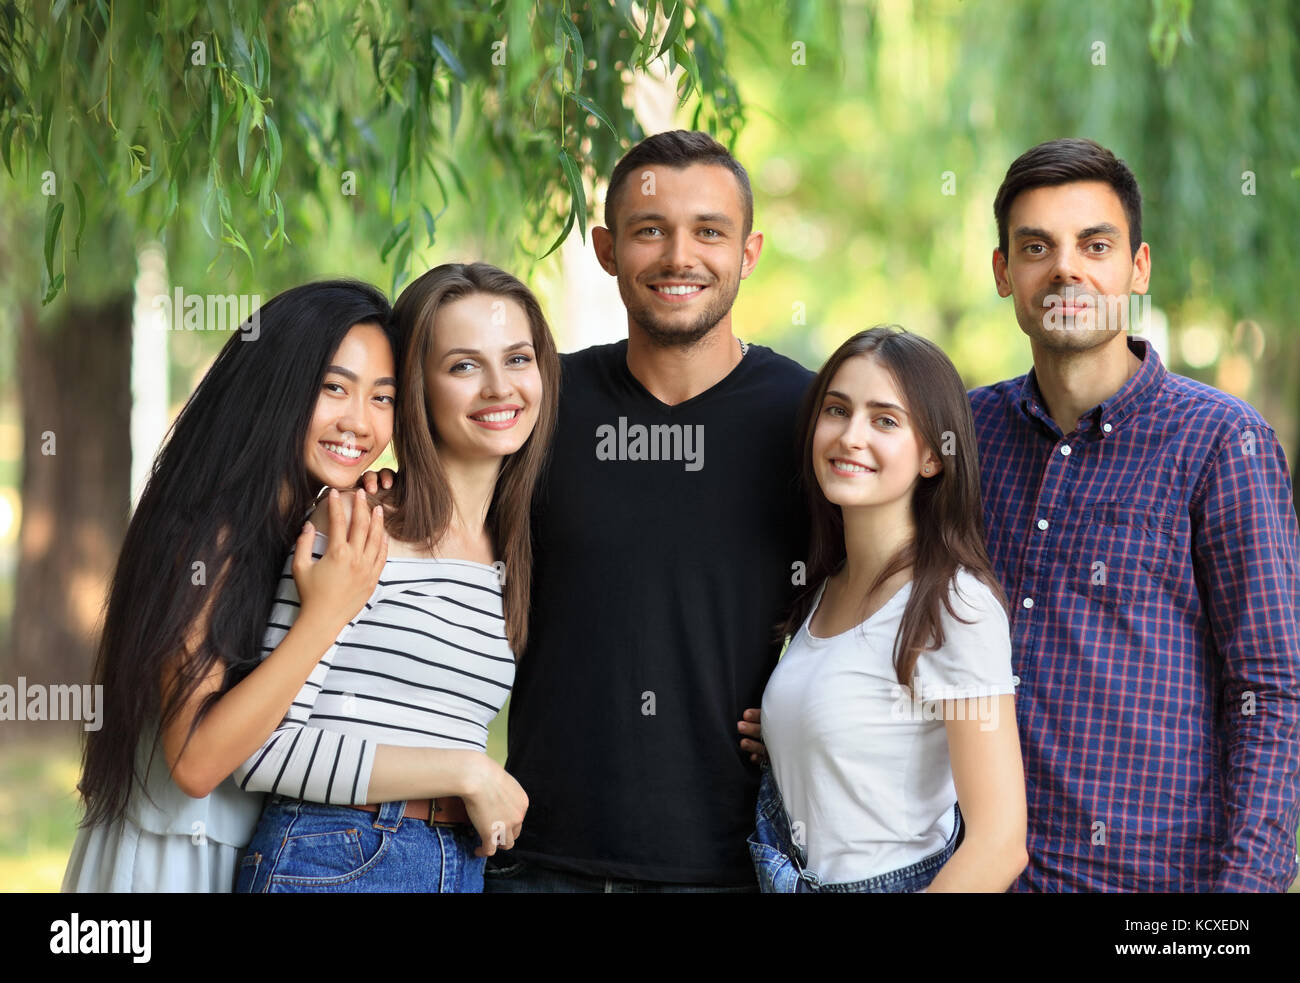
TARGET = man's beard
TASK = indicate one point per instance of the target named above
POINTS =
(666, 334)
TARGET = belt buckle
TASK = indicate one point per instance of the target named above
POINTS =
(433, 813)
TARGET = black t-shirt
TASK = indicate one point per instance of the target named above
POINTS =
(665, 540)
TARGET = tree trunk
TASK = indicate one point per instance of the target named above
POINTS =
(75, 382)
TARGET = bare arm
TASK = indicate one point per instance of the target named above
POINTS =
(333, 591)
(304, 761)
(990, 781)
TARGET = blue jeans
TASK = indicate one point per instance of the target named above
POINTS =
(517, 876)
(306, 847)
(781, 865)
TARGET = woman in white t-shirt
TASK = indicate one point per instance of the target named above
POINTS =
(895, 696)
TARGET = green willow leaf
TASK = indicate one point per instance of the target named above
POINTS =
(4, 144)
(401, 262)
(674, 28)
(53, 219)
(579, 56)
(398, 231)
(81, 218)
(579, 193)
(445, 53)
(245, 126)
(151, 174)
(275, 151)
(595, 110)
(564, 234)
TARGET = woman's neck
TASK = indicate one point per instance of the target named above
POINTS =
(873, 534)
(472, 484)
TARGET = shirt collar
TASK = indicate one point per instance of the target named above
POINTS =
(1105, 418)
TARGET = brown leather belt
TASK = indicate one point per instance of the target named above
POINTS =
(447, 811)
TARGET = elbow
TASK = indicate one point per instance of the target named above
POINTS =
(1012, 859)
(1001, 861)
(194, 782)
(1017, 861)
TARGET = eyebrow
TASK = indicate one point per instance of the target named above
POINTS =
(352, 376)
(709, 218)
(874, 404)
(1100, 229)
(475, 351)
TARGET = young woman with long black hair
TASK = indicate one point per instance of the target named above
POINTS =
(304, 401)
(894, 698)
(379, 774)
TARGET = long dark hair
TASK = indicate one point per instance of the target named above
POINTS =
(224, 502)
(946, 507)
(422, 503)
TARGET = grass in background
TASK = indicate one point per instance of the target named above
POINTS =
(39, 811)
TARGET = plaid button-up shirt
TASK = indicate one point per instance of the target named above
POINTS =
(1152, 567)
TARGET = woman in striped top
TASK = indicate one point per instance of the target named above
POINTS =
(393, 722)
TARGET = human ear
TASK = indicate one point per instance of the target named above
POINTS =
(602, 242)
(1000, 276)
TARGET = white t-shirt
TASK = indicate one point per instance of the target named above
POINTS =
(864, 776)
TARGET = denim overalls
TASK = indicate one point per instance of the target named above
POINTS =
(301, 847)
(781, 866)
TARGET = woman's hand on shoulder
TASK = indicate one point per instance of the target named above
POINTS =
(339, 584)
(376, 481)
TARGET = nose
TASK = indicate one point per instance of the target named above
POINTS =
(496, 382)
(355, 416)
(677, 251)
(1065, 268)
(856, 430)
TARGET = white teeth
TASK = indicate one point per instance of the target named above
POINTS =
(501, 417)
(679, 290)
(344, 451)
(846, 466)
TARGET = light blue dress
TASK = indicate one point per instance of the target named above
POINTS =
(166, 841)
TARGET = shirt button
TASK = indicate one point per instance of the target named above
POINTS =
(1028, 602)
(1042, 523)
(1065, 450)
(1107, 427)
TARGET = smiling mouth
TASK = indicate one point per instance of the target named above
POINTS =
(675, 293)
(346, 453)
(848, 467)
(497, 419)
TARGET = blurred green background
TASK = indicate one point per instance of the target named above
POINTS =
(875, 134)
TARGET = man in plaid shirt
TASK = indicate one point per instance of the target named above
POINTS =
(1144, 528)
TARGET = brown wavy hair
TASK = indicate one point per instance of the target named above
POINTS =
(946, 507)
(421, 503)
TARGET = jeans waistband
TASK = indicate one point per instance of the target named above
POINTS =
(388, 818)
(772, 809)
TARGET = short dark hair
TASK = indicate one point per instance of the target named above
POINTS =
(1064, 162)
(677, 149)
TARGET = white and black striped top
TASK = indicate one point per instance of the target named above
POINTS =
(426, 663)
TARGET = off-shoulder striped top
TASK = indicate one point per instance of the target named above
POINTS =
(426, 663)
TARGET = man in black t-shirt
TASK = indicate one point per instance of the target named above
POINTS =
(668, 533)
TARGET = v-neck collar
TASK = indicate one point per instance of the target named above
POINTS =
(625, 371)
